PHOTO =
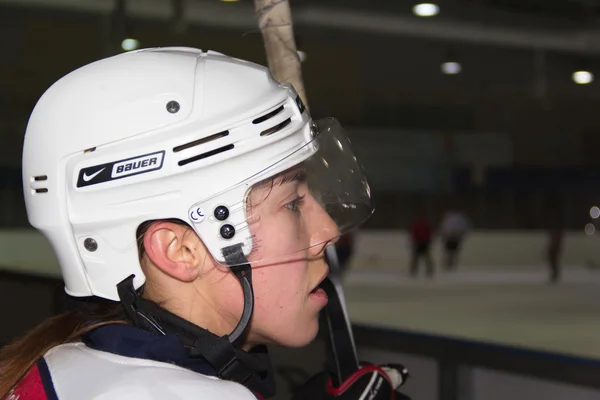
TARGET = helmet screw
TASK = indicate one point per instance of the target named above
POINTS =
(221, 213)
(173, 107)
(314, 130)
(90, 244)
(227, 231)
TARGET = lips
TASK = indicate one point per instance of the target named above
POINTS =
(318, 285)
(319, 297)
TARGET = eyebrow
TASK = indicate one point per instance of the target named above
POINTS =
(297, 175)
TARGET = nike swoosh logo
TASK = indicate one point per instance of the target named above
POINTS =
(88, 178)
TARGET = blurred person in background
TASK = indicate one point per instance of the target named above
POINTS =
(453, 229)
(554, 251)
(421, 234)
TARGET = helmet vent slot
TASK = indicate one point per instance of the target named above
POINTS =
(268, 115)
(37, 183)
(300, 104)
(201, 141)
(206, 155)
(276, 128)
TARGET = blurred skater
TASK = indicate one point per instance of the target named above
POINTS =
(453, 229)
(554, 250)
(421, 234)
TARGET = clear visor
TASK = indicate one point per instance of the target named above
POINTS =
(294, 214)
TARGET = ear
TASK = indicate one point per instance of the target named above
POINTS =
(174, 249)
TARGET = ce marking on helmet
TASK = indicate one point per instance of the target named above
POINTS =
(197, 215)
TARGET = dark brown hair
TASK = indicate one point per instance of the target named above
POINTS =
(19, 356)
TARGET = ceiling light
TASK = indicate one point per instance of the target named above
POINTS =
(426, 9)
(583, 77)
(451, 68)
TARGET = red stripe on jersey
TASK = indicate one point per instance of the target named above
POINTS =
(30, 388)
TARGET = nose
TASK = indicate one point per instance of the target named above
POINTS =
(323, 229)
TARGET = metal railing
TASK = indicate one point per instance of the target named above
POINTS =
(453, 354)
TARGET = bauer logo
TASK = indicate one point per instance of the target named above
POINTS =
(137, 165)
(120, 169)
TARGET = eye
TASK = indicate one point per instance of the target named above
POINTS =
(295, 205)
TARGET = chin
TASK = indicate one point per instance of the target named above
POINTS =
(301, 336)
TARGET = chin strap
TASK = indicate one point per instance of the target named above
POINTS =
(252, 369)
(234, 256)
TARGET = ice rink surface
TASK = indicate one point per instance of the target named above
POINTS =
(504, 306)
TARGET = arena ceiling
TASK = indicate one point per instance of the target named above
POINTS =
(371, 63)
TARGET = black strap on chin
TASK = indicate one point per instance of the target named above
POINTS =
(239, 265)
(219, 351)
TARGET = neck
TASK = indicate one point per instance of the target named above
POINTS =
(199, 302)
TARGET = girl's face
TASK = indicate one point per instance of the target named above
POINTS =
(290, 230)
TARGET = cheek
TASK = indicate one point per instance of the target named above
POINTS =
(279, 290)
(281, 234)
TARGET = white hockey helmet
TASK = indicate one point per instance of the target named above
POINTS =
(174, 133)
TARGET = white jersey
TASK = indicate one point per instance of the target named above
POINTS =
(79, 372)
(454, 225)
